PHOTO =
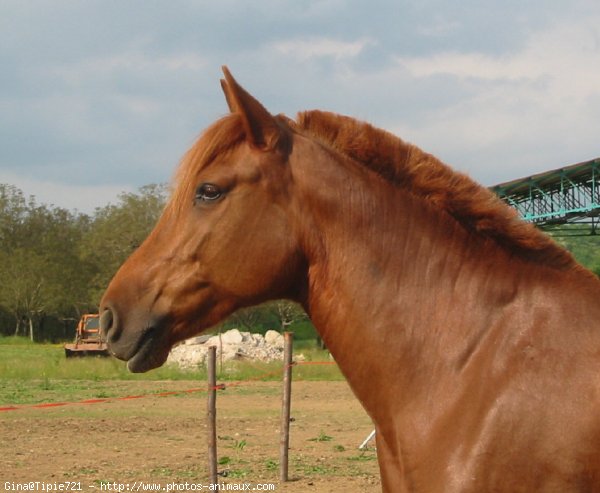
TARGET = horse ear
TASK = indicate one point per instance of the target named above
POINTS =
(228, 97)
(262, 130)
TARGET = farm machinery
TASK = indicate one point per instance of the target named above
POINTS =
(88, 339)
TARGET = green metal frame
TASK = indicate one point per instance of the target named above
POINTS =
(562, 196)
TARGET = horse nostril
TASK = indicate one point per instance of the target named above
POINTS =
(107, 322)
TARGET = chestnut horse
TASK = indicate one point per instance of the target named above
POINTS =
(470, 337)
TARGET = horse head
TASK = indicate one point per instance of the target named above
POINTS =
(225, 239)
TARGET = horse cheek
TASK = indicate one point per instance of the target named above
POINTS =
(255, 272)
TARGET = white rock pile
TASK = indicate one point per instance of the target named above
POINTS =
(231, 345)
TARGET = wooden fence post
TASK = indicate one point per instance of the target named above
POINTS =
(284, 442)
(211, 415)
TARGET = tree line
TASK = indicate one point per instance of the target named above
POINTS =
(55, 264)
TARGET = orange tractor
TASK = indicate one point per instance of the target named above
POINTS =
(88, 339)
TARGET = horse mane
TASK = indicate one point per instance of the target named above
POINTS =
(474, 206)
(406, 166)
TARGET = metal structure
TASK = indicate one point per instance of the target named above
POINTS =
(569, 195)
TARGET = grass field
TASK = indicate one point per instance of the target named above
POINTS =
(163, 439)
(34, 373)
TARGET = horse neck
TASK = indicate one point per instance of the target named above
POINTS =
(401, 293)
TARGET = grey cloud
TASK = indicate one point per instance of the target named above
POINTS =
(114, 93)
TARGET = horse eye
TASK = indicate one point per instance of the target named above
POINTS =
(208, 192)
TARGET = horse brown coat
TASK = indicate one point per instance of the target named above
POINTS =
(471, 338)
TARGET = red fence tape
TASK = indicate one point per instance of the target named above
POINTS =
(221, 386)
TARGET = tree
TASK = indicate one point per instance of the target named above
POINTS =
(21, 287)
(40, 270)
(115, 232)
(13, 211)
(246, 319)
(287, 313)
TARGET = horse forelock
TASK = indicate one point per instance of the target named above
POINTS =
(220, 138)
(474, 206)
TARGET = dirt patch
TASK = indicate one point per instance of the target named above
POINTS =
(163, 439)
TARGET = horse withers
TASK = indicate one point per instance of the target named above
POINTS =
(470, 337)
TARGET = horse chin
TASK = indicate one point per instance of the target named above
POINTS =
(150, 354)
(142, 364)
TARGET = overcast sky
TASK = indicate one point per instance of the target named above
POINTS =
(99, 97)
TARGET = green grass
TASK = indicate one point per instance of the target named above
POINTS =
(15, 340)
(27, 392)
(23, 360)
(33, 373)
(35, 361)
(321, 438)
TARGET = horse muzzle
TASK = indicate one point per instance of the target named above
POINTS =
(139, 340)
